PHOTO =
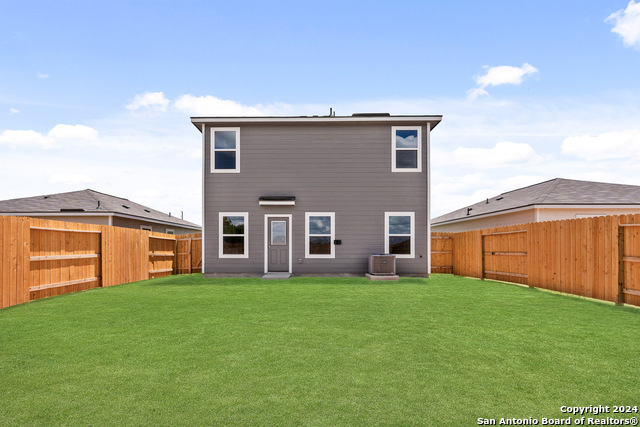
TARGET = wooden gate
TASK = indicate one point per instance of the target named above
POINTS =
(189, 254)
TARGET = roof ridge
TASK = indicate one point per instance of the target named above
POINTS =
(551, 190)
(105, 194)
(90, 193)
(527, 186)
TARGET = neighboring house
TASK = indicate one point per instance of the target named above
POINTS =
(92, 207)
(547, 201)
(315, 195)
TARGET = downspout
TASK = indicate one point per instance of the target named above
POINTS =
(204, 152)
(428, 198)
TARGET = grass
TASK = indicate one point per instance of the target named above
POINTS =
(185, 350)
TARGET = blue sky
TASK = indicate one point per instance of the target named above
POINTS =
(98, 94)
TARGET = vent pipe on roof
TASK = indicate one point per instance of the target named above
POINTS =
(469, 210)
(181, 214)
(169, 213)
(98, 205)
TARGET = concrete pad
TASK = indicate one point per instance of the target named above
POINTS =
(276, 276)
(380, 277)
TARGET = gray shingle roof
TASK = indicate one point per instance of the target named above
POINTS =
(557, 191)
(76, 202)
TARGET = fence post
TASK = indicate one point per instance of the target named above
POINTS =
(190, 255)
(175, 257)
(620, 265)
(482, 249)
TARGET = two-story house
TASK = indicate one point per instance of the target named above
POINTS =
(315, 195)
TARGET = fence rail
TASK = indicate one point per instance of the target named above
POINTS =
(41, 258)
(595, 257)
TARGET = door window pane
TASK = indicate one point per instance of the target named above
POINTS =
(278, 232)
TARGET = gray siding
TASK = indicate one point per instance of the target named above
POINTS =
(160, 228)
(341, 168)
(97, 220)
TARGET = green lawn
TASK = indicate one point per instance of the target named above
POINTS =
(185, 350)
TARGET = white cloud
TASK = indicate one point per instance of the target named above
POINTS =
(42, 76)
(610, 145)
(74, 132)
(71, 178)
(26, 138)
(150, 102)
(211, 106)
(500, 75)
(504, 153)
(60, 133)
(627, 24)
(13, 111)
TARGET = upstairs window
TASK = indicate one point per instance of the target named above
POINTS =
(406, 148)
(225, 150)
(399, 234)
(320, 232)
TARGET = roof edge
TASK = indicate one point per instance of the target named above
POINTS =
(434, 119)
(539, 206)
(484, 215)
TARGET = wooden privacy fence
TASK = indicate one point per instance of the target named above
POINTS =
(41, 258)
(595, 257)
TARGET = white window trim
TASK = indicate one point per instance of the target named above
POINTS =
(245, 235)
(412, 235)
(146, 228)
(307, 235)
(213, 150)
(170, 231)
(394, 149)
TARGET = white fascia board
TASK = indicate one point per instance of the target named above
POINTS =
(319, 119)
